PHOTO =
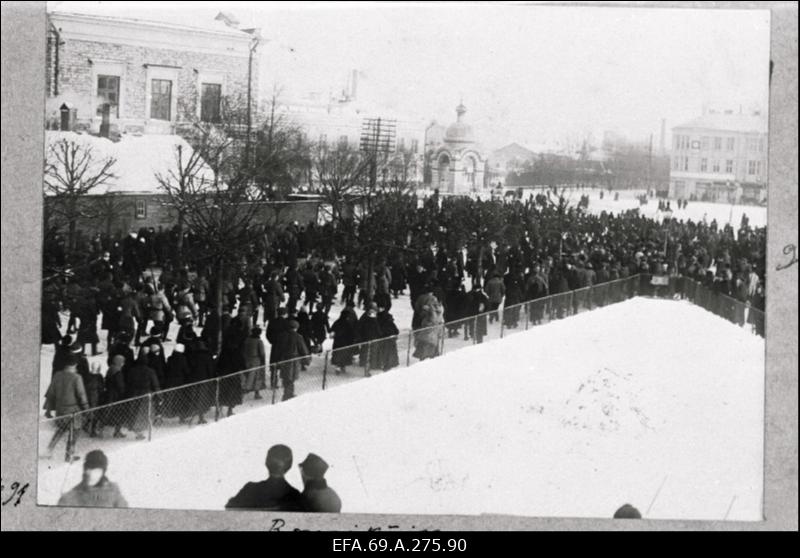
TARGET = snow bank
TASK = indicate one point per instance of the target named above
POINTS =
(570, 419)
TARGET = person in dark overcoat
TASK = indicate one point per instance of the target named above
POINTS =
(478, 305)
(140, 380)
(51, 322)
(388, 356)
(273, 494)
(115, 415)
(320, 327)
(231, 361)
(292, 348)
(202, 369)
(176, 401)
(344, 339)
(369, 330)
(275, 329)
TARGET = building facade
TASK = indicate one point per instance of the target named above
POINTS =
(156, 76)
(457, 162)
(720, 157)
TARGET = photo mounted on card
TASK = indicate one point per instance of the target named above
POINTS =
(405, 259)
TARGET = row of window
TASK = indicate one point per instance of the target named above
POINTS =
(707, 143)
(681, 163)
(161, 91)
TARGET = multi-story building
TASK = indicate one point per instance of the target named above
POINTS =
(155, 75)
(720, 156)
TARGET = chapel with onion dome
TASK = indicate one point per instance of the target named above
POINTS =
(457, 160)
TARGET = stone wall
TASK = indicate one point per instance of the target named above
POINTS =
(77, 87)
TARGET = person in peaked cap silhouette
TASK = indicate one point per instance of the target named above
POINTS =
(317, 496)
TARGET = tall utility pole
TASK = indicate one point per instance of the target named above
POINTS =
(377, 136)
(253, 46)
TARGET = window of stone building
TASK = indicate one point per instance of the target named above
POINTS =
(731, 144)
(141, 209)
(108, 92)
(715, 166)
(717, 144)
(705, 142)
(754, 168)
(161, 99)
(210, 99)
(414, 146)
(703, 165)
(686, 163)
(729, 166)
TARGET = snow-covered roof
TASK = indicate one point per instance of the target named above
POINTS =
(148, 14)
(138, 159)
(728, 121)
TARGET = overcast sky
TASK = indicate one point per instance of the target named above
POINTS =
(525, 73)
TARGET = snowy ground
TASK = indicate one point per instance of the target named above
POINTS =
(651, 402)
(695, 211)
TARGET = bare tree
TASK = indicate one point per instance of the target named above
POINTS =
(71, 172)
(211, 188)
(108, 208)
(340, 174)
(181, 182)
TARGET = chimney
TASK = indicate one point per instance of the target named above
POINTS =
(228, 19)
(105, 126)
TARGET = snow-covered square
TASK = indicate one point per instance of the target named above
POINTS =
(656, 403)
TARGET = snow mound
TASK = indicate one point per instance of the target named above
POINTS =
(652, 402)
(605, 401)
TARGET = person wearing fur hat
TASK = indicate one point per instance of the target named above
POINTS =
(317, 496)
(94, 490)
(273, 494)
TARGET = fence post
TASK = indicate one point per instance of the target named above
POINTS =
(366, 360)
(216, 399)
(408, 349)
(325, 371)
(442, 334)
(149, 417)
(527, 307)
(71, 437)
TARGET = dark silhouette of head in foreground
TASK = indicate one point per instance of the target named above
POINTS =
(627, 512)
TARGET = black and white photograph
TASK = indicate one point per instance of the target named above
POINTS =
(415, 259)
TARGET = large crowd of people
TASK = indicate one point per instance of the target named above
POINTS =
(141, 289)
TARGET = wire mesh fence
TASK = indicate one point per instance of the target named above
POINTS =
(168, 411)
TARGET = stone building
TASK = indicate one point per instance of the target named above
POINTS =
(721, 157)
(157, 76)
(457, 162)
